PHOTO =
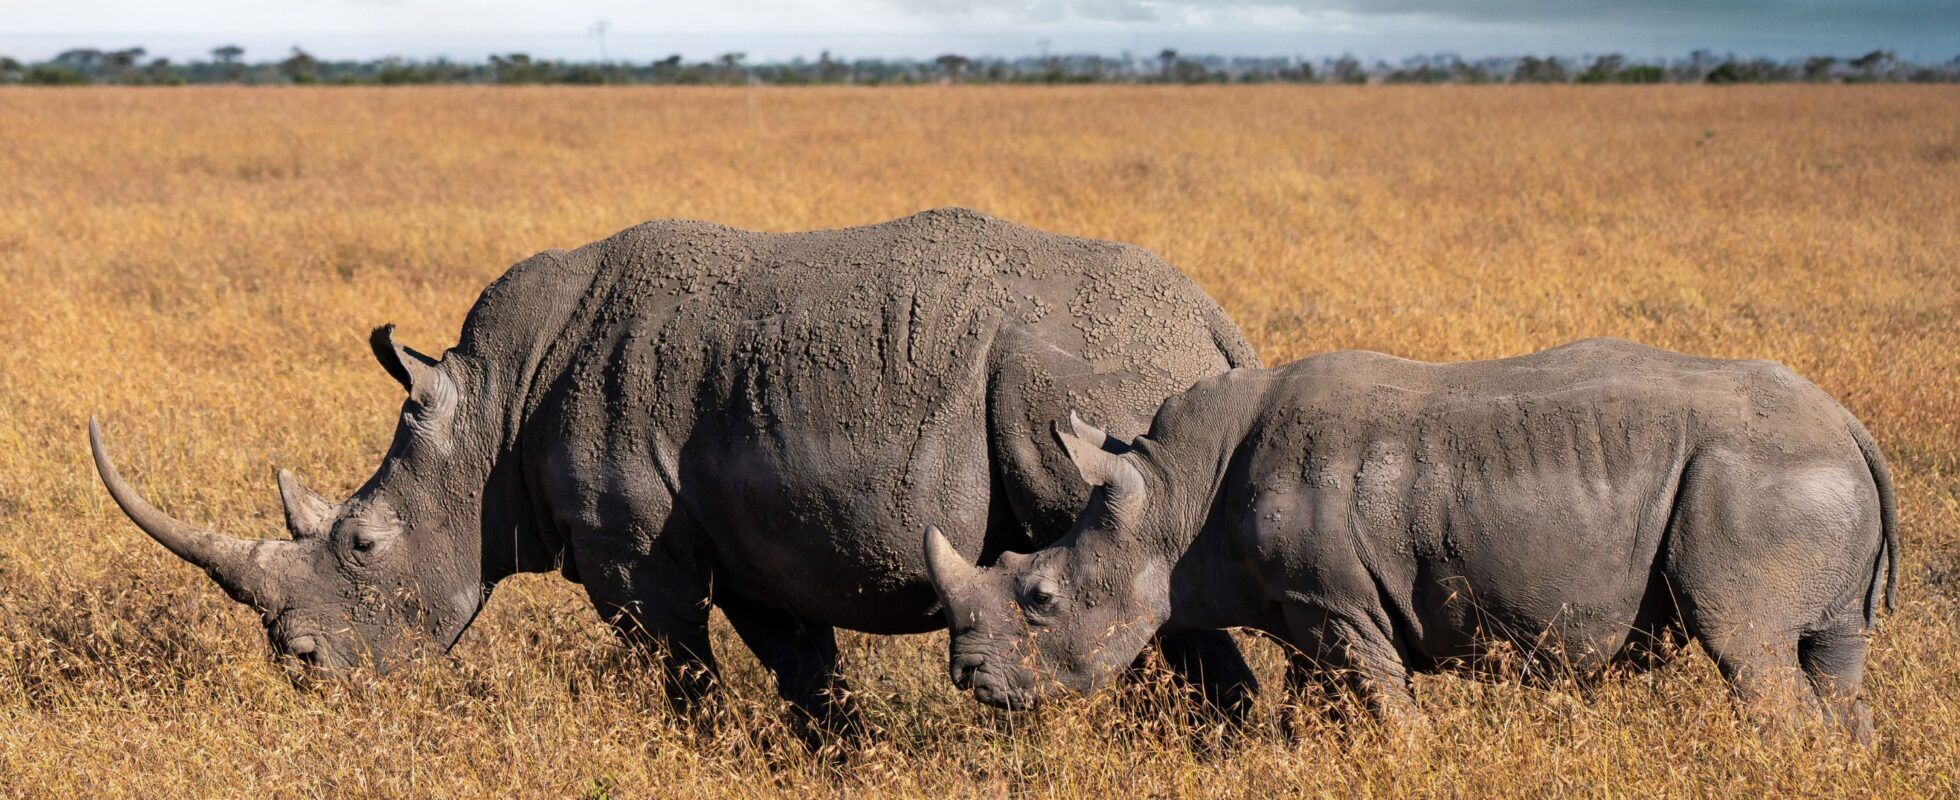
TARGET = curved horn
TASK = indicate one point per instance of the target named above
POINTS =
(227, 560)
(944, 565)
(307, 513)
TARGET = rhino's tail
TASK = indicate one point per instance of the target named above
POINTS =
(1884, 591)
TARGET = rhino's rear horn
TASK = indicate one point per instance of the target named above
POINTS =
(227, 560)
(307, 514)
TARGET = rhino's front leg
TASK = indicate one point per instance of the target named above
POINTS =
(1354, 659)
(1209, 662)
(659, 606)
(686, 660)
(803, 657)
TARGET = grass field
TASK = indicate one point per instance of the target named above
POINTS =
(201, 268)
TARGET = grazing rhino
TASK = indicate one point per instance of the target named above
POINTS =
(1384, 517)
(686, 414)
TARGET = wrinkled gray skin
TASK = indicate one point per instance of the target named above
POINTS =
(1385, 517)
(687, 413)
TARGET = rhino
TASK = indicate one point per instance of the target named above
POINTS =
(1561, 512)
(687, 414)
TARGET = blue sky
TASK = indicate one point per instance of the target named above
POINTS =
(781, 29)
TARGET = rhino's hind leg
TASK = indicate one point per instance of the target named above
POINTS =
(1834, 660)
(1763, 674)
(803, 657)
(1791, 621)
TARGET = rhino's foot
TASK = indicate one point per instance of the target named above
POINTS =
(1209, 666)
(834, 724)
(803, 657)
(693, 688)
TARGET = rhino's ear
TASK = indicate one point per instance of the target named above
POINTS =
(417, 373)
(1097, 436)
(408, 367)
(1099, 467)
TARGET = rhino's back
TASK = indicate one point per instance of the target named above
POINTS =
(1534, 401)
(892, 323)
(828, 393)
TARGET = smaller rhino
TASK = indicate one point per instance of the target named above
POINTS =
(1383, 517)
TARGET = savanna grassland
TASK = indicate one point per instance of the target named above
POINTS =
(201, 268)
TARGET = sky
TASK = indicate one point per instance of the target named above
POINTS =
(1924, 30)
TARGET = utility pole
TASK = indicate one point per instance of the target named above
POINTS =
(599, 29)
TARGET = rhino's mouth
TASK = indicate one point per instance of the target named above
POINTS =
(1005, 699)
(307, 651)
(1000, 689)
(311, 651)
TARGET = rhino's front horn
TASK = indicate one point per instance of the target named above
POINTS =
(944, 565)
(227, 560)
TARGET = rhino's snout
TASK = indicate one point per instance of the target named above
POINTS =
(966, 670)
(970, 674)
(1009, 700)
(308, 650)
(314, 655)
(985, 693)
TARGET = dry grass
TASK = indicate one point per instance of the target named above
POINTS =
(201, 266)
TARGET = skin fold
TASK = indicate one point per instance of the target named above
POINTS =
(686, 416)
(1577, 507)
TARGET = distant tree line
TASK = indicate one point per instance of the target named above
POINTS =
(227, 65)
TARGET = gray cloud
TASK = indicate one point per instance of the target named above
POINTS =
(1038, 11)
(1875, 17)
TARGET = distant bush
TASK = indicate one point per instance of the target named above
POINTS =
(519, 68)
(1614, 69)
(1532, 69)
(1603, 70)
(1761, 70)
(1644, 73)
(583, 75)
(44, 75)
(1421, 74)
(400, 75)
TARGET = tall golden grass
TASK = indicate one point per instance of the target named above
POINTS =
(201, 266)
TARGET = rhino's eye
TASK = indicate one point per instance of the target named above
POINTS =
(364, 543)
(1040, 597)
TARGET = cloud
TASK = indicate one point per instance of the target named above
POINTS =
(1721, 14)
(1040, 11)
